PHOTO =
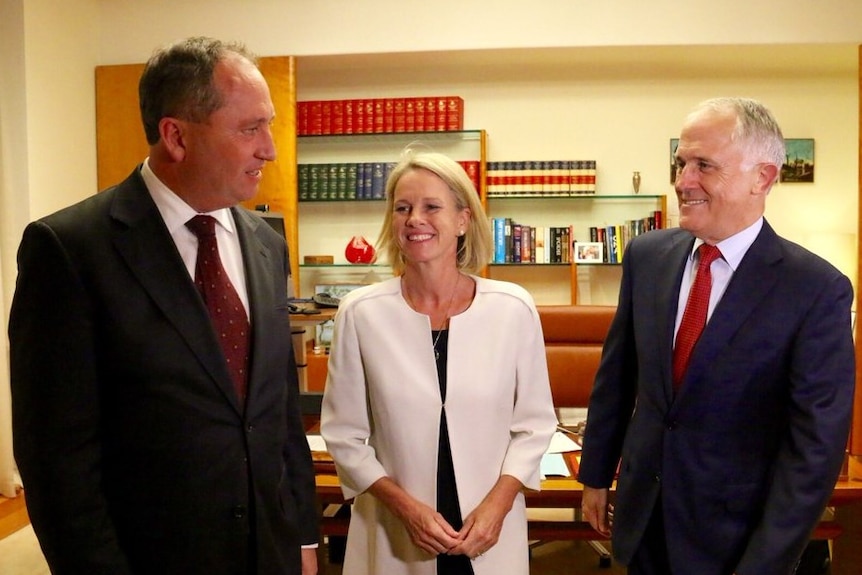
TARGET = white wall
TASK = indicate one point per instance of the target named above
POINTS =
(620, 105)
(130, 28)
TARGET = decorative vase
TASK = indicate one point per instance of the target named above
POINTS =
(359, 251)
(636, 181)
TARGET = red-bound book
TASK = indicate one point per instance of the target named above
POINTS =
(659, 219)
(326, 117)
(379, 115)
(315, 117)
(409, 114)
(388, 115)
(472, 169)
(454, 113)
(526, 244)
(431, 114)
(349, 116)
(337, 124)
(368, 106)
(301, 118)
(442, 111)
(399, 115)
(419, 113)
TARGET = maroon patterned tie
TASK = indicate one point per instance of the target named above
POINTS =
(225, 308)
(694, 317)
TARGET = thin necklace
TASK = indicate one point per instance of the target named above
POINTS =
(446, 320)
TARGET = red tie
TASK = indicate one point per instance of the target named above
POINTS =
(225, 308)
(694, 317)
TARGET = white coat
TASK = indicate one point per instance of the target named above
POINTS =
(381, 416)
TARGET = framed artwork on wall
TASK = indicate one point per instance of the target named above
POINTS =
(674, 142)
(799, 161)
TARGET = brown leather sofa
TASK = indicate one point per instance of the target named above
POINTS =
(574, 336)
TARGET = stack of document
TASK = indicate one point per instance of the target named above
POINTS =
(553, 462)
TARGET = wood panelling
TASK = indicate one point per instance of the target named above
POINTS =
(120, 141)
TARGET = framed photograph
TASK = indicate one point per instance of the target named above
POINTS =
(799, 163)
(674, 142)
(589, 252)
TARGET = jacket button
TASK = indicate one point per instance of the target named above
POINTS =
(657, 477)
(250, 428)
(239, 511)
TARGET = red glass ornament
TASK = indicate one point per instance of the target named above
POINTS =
(359, 251)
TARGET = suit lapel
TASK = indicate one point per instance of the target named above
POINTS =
(753, 280)
(143, 241)
(256, 258)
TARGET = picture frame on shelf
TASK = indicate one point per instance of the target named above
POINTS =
(799, 161)
(674, 142)
(589, 252)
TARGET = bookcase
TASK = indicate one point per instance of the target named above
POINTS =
(560, 282)
(327, 222)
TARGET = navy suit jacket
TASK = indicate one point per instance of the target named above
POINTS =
(746, 454)
(135, 454)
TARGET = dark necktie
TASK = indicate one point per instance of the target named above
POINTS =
(694, 317)
(225, 308)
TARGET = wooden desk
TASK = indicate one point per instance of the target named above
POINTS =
(566, 493)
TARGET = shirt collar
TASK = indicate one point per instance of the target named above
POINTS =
(733, 249)
(176, 212)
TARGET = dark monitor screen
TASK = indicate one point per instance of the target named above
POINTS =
(275, 221)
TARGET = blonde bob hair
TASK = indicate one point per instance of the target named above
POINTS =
(475, 247)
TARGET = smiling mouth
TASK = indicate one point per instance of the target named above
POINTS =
(419, 237)
(691, 202)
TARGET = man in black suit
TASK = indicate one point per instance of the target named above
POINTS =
(138, 454)
(727, 461)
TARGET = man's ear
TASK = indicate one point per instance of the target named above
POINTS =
(172, 133)
(767, 175)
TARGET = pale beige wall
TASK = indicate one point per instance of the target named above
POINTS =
(620, 118)
(129, 28)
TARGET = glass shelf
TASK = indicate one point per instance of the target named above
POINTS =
(344, 265)
(524, 264)
(451, 136)
(551, 264)
(533, 196)
(340, 200)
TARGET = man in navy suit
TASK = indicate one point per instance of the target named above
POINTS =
(137, 452)
(728, 471)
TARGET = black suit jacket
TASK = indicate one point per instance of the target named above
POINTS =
(135, 454)
(746, 454)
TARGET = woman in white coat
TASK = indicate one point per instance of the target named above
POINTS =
(437, 407)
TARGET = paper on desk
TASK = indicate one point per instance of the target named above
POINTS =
(561, 443)
(553, 464)
(316, 443)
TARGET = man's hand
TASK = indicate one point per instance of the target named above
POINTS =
(596, 509)
(309, 561)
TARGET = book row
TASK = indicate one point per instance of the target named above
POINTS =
(380, 115)
(354, 181)
(541, 178)
(516, 243)
(615, 238)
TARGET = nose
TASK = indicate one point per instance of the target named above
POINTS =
(685, 175)
(267, 146)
